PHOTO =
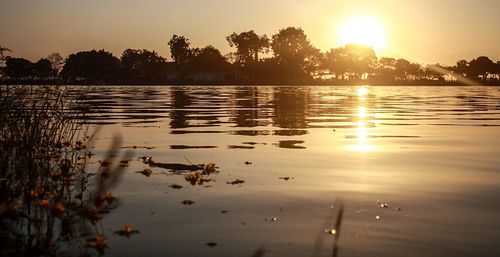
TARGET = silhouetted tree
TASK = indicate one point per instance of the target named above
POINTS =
(335, 61)
(91, 66)
(147, 64)
(43, 68)
(180, 49)
(481, 66)
(360, 59)
(3, 55)
(248, 45)
(208, 58)
(386, 68)
(18, 68)
(462, 68)
(294, 54)
(56, 61)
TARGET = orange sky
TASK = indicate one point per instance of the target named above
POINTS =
(426, 31)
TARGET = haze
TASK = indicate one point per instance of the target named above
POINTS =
(426, 31)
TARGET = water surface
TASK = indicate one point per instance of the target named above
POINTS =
(431, 153)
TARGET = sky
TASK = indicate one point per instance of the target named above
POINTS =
(424, 31)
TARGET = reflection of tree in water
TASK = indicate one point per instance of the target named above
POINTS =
(49, 204)
(179, 116)
(290, 107)
(247, 103)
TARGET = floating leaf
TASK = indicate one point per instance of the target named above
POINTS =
(146, 172)
(209, 168)
(196, 178)
(188, 202)
(99, 243)
(126, 231)
(211, 244)
(248, 163)
(236, 182)
(176, 186)
(286, 178)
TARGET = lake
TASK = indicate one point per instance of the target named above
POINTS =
(417, 169)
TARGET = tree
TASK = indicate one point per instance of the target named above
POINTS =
(386, 67)
(208, 58)
(462, 68)
(18, 68)
(481, 66)
(179, 49)
(3, 55)
(402, 67)
(43, 68)
(248, 46)
(147, 64)
(56, 61)
(335, 61)
(91, 66)
(294, 53)
(359, 59)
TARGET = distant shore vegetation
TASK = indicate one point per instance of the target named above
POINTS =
(287, 57)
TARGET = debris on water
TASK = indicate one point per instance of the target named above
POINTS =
(384, 205)
(236, 182)
(99, 243)
(176, 186)
(146, 172)
(209, 168)
(147, 160)
(377, 217)
(272, 219)
(105, 163)
(248, 163)
(188, 202)
(124, 163)
(398, 209)
(136, 146)
(224, 211)
(331, 231)
(126, 231)
(286, 178)
(211, 244)
(196, 178)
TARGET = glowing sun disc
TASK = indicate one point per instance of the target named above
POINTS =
(363, 30)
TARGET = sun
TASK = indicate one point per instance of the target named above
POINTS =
(364, 30)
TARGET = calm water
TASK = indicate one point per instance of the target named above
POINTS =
(431, 153)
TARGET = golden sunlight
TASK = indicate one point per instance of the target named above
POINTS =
(364, 30)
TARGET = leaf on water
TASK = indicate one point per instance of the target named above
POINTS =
(209, 168)
(127, 231)
(147, 160)
(211, 244)
(331, 231)
(188, 202)
(286, 178)
(105, 163)
(176, 186)
(272, 219)
(248, 163)
(99, 243)
(104, 197)
(146, 172)
(196, 178)
(236, 182)
(224, 211)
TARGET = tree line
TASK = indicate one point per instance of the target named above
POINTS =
(286, 57)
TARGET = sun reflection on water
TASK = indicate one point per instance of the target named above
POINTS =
(363, 142)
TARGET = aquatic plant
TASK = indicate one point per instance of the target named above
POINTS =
(49, 202)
